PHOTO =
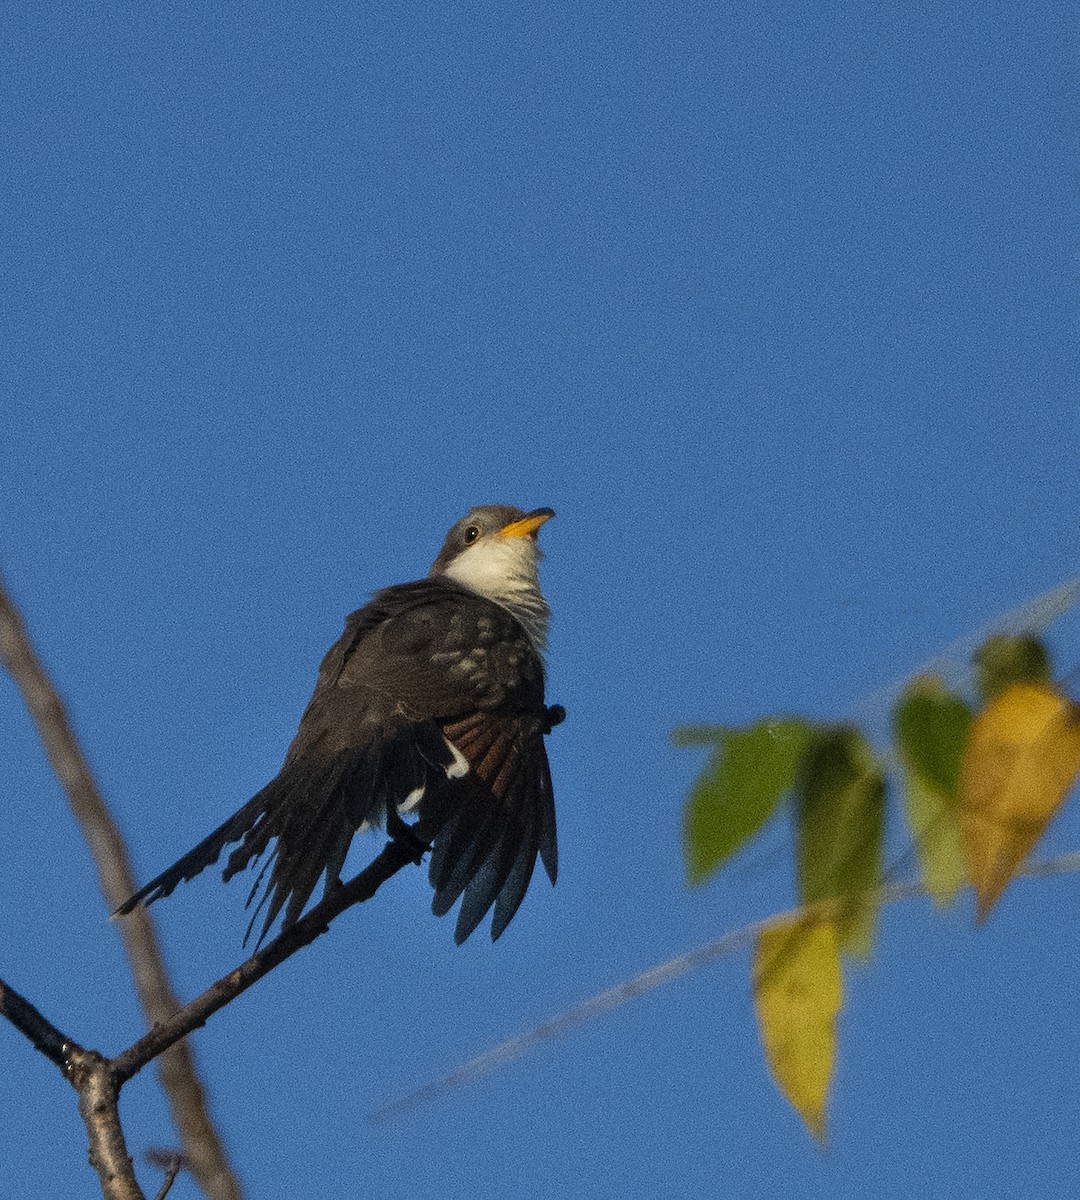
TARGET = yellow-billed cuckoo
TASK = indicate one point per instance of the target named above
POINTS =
(431, 703)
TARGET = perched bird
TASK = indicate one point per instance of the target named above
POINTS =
(432, 704)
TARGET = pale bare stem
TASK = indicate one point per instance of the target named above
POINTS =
(171, 1162)
(202, 1146)
(93, 1080)
(92, 1077)
(666, 972)
(171, 1173)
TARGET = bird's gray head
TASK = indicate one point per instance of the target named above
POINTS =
(493, 551)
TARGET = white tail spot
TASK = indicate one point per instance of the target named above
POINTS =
(455, 770)
(460, 765)
(411, 800)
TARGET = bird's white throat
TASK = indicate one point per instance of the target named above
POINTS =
(505, 570)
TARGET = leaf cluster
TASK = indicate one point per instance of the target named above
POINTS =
(976, 779)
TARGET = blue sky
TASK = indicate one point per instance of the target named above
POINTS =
(775, 305)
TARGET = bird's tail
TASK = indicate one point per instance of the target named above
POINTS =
(310, 812)
(204, 855)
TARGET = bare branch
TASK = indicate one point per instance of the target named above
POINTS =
(390, 860)
(31, 1024)
(171, 1173)
(176, 1070)
(171, 1162)
(92, 1077)
(665, 972)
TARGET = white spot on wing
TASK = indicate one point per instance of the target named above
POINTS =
(411, 800)
(460, 765)
(455, 770)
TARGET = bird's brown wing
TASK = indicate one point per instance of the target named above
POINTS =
(488, 826)
(468, 665)
(439, 651)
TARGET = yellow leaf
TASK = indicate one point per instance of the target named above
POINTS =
(798, 991)
(1021, 759)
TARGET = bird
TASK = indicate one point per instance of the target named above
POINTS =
(430, 705)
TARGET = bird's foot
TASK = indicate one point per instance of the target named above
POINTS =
(554, 715)
(406, 836)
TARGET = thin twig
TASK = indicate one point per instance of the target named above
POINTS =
(171, 1162)
(171, 1173)
(176, 1070)
(665, 972)
(390, 860)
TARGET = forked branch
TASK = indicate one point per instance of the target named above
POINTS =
(98, 1080)
(202, 1147)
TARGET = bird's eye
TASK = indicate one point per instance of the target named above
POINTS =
(471, 534)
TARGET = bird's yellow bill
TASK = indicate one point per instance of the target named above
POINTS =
(526, 525)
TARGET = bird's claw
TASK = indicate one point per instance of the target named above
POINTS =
(406, 836)
(554, 715)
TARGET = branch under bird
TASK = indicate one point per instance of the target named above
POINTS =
(431, 705)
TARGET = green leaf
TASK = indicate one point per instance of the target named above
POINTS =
(1004, 660)
(931, 727)
(935, 828)
(739, 790)
(840, 812)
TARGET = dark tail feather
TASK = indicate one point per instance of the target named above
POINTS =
(488, 829)
(311, 818)
(486, 886)
(517, 882)
(204, 855)
(320, 811)
(517, 845)
(305, 818)
(497, 840)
